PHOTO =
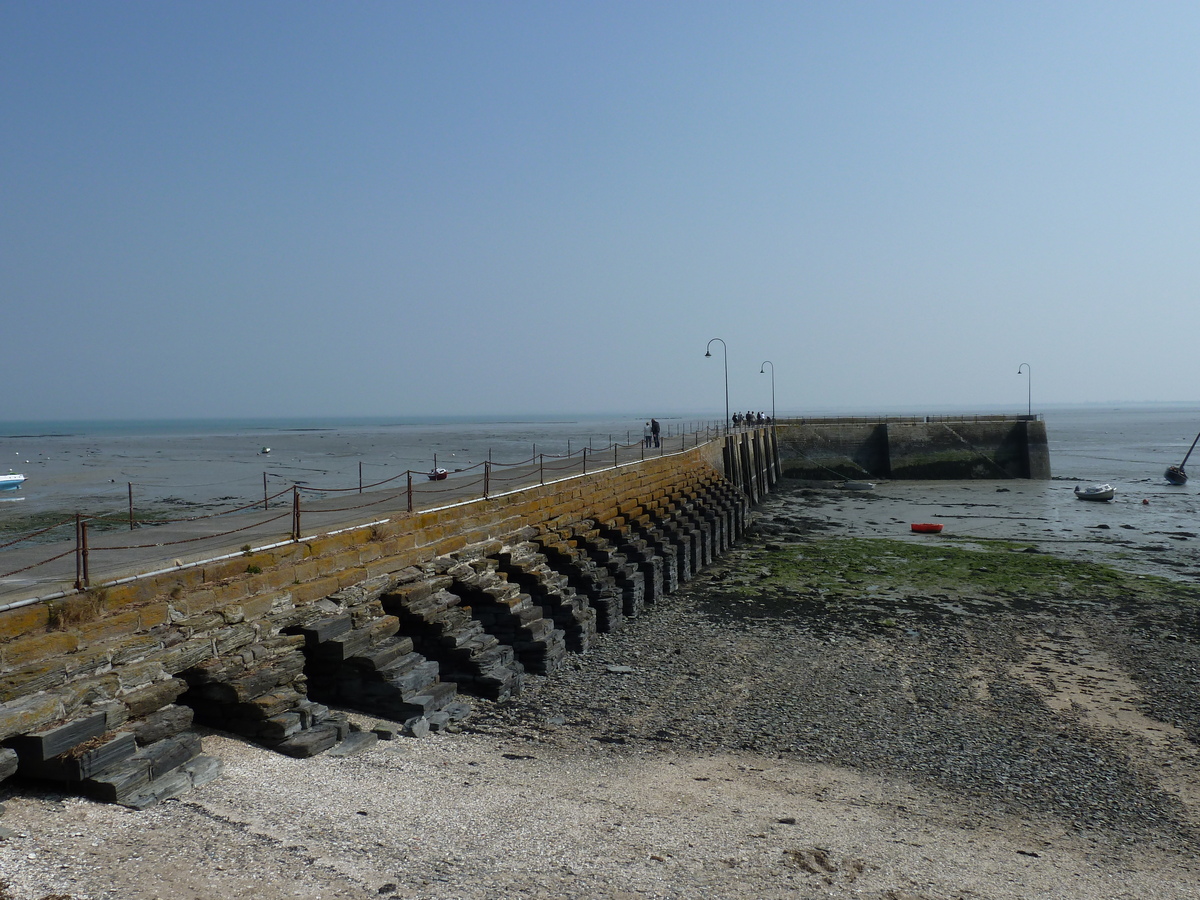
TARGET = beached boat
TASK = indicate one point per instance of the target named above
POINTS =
(1095, 492)
(438, 475)
(927, 527)
(858, 486)
(1176, 474)
(12, 481)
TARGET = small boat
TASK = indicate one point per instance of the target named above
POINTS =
(12, 481)
(1176, 474)
(857, 486)
(438, 475)
(927, 527)
(1095, 492)
(265, 450)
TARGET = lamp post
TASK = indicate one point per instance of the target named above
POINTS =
(767, 362)
(707, 353)
(1029, 399)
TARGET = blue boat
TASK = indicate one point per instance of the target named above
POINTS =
(11, 481)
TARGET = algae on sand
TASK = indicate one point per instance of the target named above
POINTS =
(879, 579)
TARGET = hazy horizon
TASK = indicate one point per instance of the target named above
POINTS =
(290, 210)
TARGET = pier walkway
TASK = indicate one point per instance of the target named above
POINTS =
(91, 551)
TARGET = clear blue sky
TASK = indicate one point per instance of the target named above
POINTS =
(369, 208)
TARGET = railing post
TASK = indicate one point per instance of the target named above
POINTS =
(295, 513)
(130, 505)
(87, 577)
(585, 450)
(409, 473)
(264, 490)
(487, 476)
(360, 476)
(78, 552)
(542, 468)
(616, 459)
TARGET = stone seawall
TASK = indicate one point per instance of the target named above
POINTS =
(405, 620)
(931, 447)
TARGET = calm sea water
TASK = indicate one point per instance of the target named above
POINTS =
(89, 466)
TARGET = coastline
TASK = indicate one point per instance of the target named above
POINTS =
(1001, 750)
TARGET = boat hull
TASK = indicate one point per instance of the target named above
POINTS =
(11, 482)
(1097, 492)
(927, 527)
(1176, 475)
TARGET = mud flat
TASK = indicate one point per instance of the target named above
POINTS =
(839, 708)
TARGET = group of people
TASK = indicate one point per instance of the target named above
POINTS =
(750, 419)
(651, 434)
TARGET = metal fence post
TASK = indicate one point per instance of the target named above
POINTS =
(487, 477)
(295, 513)
(585, 450)
(130, 505)
(79, 544)
(409, 473)
(542, 468)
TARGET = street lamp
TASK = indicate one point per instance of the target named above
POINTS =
(1029, 372)
(767, 362)
(707, 353)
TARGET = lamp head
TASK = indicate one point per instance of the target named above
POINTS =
(708, 353)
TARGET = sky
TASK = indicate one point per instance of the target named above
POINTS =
(229, 209)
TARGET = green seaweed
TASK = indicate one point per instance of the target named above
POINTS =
(847, 566)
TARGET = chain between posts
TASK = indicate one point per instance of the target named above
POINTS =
(82, 550)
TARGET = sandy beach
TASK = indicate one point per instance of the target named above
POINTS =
(838, 708)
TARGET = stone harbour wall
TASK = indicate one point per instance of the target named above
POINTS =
(406, 620)
(931, 447)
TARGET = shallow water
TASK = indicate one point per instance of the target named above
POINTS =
(92, 467)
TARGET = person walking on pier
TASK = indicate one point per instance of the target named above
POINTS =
(655, 430)
(647, 435)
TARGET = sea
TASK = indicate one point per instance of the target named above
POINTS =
(94, 467)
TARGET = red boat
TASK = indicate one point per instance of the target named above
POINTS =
(927, 527)
(438, 475)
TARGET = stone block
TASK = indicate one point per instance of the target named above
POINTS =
(120, 783)
(173, 784)
(37, 648)
(79, 764)
(309, 743)
(203, 769)
(42, 745)
(170, 753)
(29, 714)
(153, 697)
(24, 620)
(281, 727)
(354, 743)
(164, 723)
(8, 763)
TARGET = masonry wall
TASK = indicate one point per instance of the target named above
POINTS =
(97, 674)
(933, 448)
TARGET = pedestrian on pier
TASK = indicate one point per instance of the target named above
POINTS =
(655, 430)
